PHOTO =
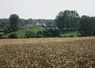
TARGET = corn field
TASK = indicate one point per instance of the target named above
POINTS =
(48, 53)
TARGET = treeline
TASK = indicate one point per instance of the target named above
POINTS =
(13, 26)
(40, 34)
(22, 22)
(69, 20)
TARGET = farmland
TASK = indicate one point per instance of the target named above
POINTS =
(21, 33)
(48, 53)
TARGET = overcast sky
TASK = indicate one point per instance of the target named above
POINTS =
(44, 9)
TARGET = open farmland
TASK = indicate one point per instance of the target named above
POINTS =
(48, 53)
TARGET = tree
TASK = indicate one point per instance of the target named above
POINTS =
(92, 25)
(13, 35)
(67, 20)
(3, 24)
(87, 27)
(39, 34)
(13, 22)
(29, 34)
(52, 32)
(1, 36)
(7, 30)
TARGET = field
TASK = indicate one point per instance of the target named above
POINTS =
(21, 33)
(48, 53)
(72, 34)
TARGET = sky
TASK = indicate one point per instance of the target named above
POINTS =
(44, 9)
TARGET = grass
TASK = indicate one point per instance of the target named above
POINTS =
(68, 34)
(48, 53)
(21, 33)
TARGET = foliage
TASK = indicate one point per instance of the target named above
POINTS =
(13, 22)
(13, 35)
(3, 24)
(29, 34)
(7, 29)
(69, 33)
(39, 34)
(21, 33)
(52, 32)
(71, 36)
(67, 20)
(1, 36)
(87, 27)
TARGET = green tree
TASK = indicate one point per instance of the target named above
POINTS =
(52, 32)
(39, 34)
(13, 22)
(67, 20)
(92, 24)
(29, 34)
(1, 36)
(6, 30)
(13, 35)
(87, 27)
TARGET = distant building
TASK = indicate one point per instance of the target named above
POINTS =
(31, 25)
(44, 25)
(37, 24)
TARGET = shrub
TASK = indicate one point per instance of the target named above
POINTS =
(7, 30)
(39, 34)
(48, 33)
(79, 35)
(52, 33)
(13, 35)
(71, 36)
(29, 34)
(56, 33)
(1, 36)
(65, 36)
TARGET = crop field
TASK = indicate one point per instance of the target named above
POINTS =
(48, 53)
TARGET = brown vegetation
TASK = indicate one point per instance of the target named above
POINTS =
(48, 53)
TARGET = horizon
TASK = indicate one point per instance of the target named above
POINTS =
(44, 9)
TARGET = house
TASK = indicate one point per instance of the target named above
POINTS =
(37, 24)
(44, 25)
(31, 25)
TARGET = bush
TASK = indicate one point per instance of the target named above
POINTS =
(7, 30)
(79, 35)
(13, 35)
(29, 34)
(65, 36)
(56, 33)
(52, 33)
(1, 36)
(39, 34)
(71, 36)
(48, 33)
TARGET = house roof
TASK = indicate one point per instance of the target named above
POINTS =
(43, 24)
